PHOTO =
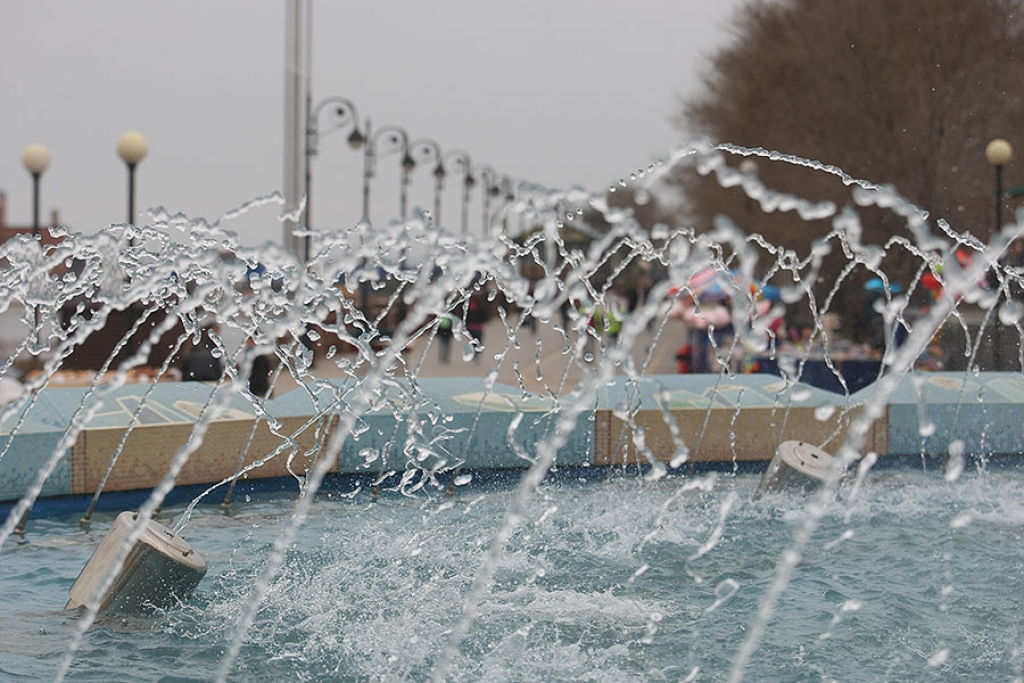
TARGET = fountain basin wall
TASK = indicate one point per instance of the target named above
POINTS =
(462, 424)
(929, 411)
(720, 419)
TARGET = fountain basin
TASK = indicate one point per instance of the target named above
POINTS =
(464, 424)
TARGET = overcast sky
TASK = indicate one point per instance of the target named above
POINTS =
(560, 93)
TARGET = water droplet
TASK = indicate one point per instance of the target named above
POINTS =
(823, 413)
(955, 461)
(679, 458)
(962, 520)
(939, 658)
(1010, 312)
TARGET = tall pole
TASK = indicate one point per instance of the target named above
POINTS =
(131, 194)
(429, 151)
(465, 165)
(36, 159)
(999, 198)
(293, 119)
(35, 203)
(344, 112)
(398, 138)
(438, 188)
(308, 72)
(489, 177)
(467, 187)
(999, 152)
(132, 148)
(367, 171)
(308, 174)
(403, 193)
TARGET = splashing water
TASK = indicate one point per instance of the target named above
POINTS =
(628, 579)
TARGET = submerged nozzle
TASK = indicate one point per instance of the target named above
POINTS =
(159, 569)
(796, 466)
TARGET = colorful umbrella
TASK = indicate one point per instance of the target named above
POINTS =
(711, 284)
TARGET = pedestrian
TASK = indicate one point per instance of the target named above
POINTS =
(684, 358)
(200, 364)
(563, 310)
(259, 373)
(612, 313)
(444, 338)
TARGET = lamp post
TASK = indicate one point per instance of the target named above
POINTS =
(508, 196)
(999, 152)
(398, 140)
(408, 164)
(132, 149)
(429, 151)
(36, 159)
(465, 163)
(490, 189)
(342, 113)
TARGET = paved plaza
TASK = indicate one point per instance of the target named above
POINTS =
(544, 361)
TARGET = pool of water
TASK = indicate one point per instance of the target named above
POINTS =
(913, 578)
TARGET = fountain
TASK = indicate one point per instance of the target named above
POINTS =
(548, 505)
(158, 571)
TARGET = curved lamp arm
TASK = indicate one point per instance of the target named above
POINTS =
(395, 137)
(342, 114)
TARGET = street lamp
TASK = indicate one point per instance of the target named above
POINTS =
(342, 113)
(428, 150)
(36, 159)
(465, 163)
(490, 189)
(508, 196)
(398, 141)
(408, 164)
(132, 149)
(999, 152)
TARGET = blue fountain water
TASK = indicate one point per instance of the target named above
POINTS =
(638, 577)
(617, 580)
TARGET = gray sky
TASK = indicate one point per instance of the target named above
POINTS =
(560, 93)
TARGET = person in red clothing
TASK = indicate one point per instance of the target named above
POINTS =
(684, 357)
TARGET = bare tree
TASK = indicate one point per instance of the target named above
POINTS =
(905, 93)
